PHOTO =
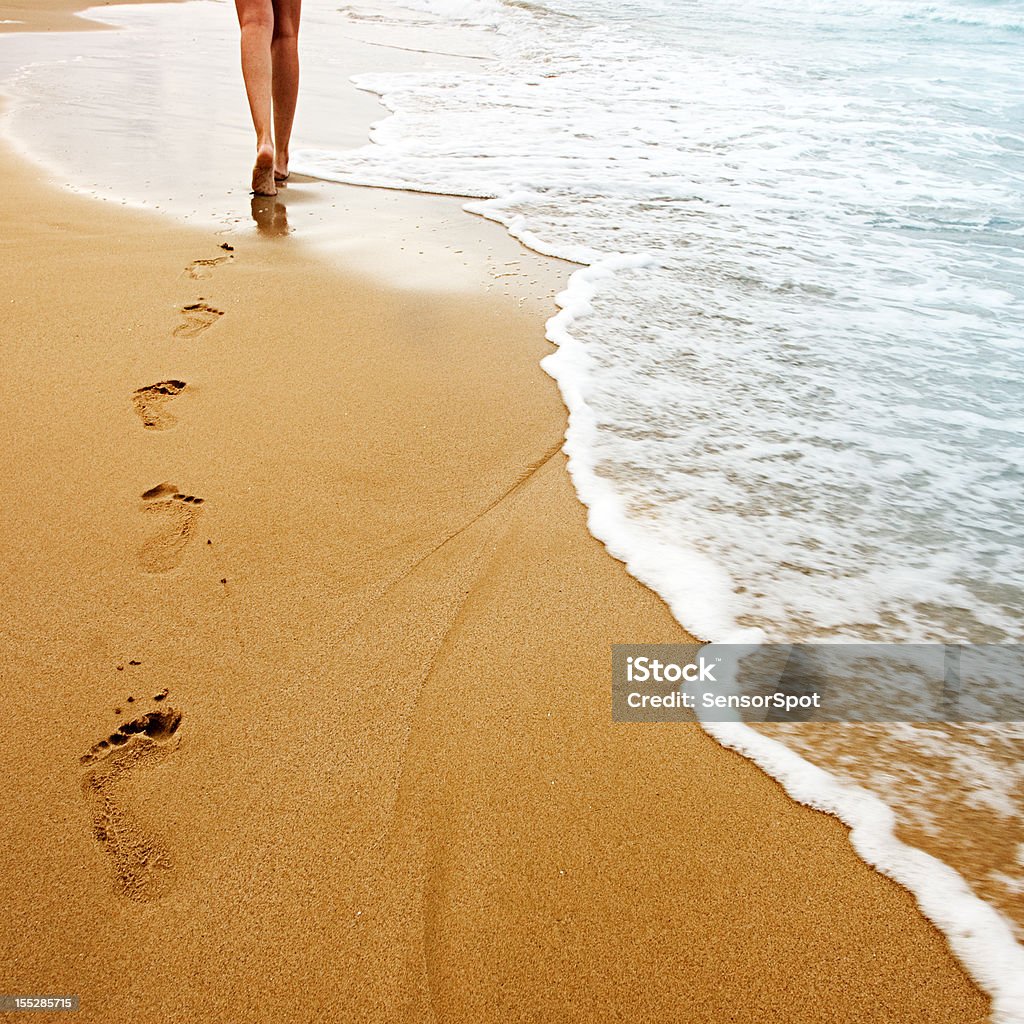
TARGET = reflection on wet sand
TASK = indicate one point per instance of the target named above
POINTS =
(270, 215)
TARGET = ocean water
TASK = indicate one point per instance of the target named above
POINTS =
(793, 353)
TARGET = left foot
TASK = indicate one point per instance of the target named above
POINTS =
(263, 172)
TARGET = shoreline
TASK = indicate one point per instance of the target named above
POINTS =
(376, 767)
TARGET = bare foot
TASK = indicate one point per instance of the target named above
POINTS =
(281, 167)
(263, 172)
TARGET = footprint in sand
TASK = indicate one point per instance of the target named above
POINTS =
(174, 514)
(142, 867)
(198, 317)
(150, 404)
(198, 269)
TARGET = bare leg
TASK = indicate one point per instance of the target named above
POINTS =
(256, 20)
(285, 53)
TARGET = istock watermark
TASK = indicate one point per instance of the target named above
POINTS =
(817, 682)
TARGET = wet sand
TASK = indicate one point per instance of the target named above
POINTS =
(53, 15)
(383, 783)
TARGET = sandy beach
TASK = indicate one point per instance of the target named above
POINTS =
(306, 657)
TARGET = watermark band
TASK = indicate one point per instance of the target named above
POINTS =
(818, 682)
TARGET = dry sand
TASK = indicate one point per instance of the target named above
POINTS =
(395, 792)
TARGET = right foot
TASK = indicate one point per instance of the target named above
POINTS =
(281, 167)
(263, 172)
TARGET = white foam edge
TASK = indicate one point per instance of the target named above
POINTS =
(699, 593)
